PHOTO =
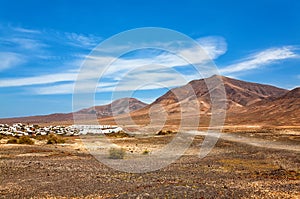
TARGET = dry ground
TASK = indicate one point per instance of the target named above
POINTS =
(232, 170)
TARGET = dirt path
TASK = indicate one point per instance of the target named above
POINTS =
(257, 142)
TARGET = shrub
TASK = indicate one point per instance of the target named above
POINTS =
(41, 137)
(25, 140)
(163, 132)
(12, 141)
(120, 134)
(146, 152)
(116, 153)
(54, 139)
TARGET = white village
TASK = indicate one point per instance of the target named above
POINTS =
(19, 129)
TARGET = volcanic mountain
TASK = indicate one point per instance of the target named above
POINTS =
(284, 110)
(117, 107)
(245, 103)
(195, 98)
(120, 106)
(238, 93)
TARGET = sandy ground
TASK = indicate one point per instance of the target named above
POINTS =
(241, 165)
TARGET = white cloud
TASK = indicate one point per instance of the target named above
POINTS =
(28, 44)
(68, 88)
(148, 78)
(9, 60)
(123, 66)
(43, 79)
(81, 40)
(54, 90)
(214, 46)
(260, 59)
(139, 79)
(25, 30)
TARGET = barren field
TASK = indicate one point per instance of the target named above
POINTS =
(242, 165)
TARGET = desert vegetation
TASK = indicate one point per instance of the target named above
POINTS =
(165, 132)
(231, 170)
(20, 140)
(55, 139)
(116, 153)
(146, 152)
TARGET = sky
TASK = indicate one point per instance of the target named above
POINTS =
(44, 44)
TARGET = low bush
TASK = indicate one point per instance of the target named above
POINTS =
(25, 140)
(120, 134)
(12, 141)
(54, 139)
(146, 152)
(116, 153)
(165, 132)
(41, 137)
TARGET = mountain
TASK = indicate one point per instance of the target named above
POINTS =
(120, 106)
(293, 94)
(195, 98)
(117, 107)
(247, 103)
(239, 93)
(284, 110)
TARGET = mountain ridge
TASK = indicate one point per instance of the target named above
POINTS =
(101, 111)
(246, 102)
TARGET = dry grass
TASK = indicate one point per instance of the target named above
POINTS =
(121, 134)
(55, 139)
(116, 153)
(21, 140)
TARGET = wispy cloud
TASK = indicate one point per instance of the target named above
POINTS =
(83, 41)
(9, 60)
(150, 71)
(215, 46)
(28, 44)
(43, 79)
(37, 48)
(25, 30)
(152, 77)
(121, 69)
(260, 59)
(67, 88)
(23, 40)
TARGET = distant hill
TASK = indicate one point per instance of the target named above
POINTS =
(120, 106)
(117, 107)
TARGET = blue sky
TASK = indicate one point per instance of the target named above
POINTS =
(43, 44)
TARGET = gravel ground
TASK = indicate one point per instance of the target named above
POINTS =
(231, 170)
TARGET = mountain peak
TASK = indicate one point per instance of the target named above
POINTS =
(295, 93)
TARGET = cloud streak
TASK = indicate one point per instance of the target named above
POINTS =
(260, 59)
(125, 73)
(214, 46)
(82, 41)
(43, 79)
(25, 30)
(9, 60)
(124, 65)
